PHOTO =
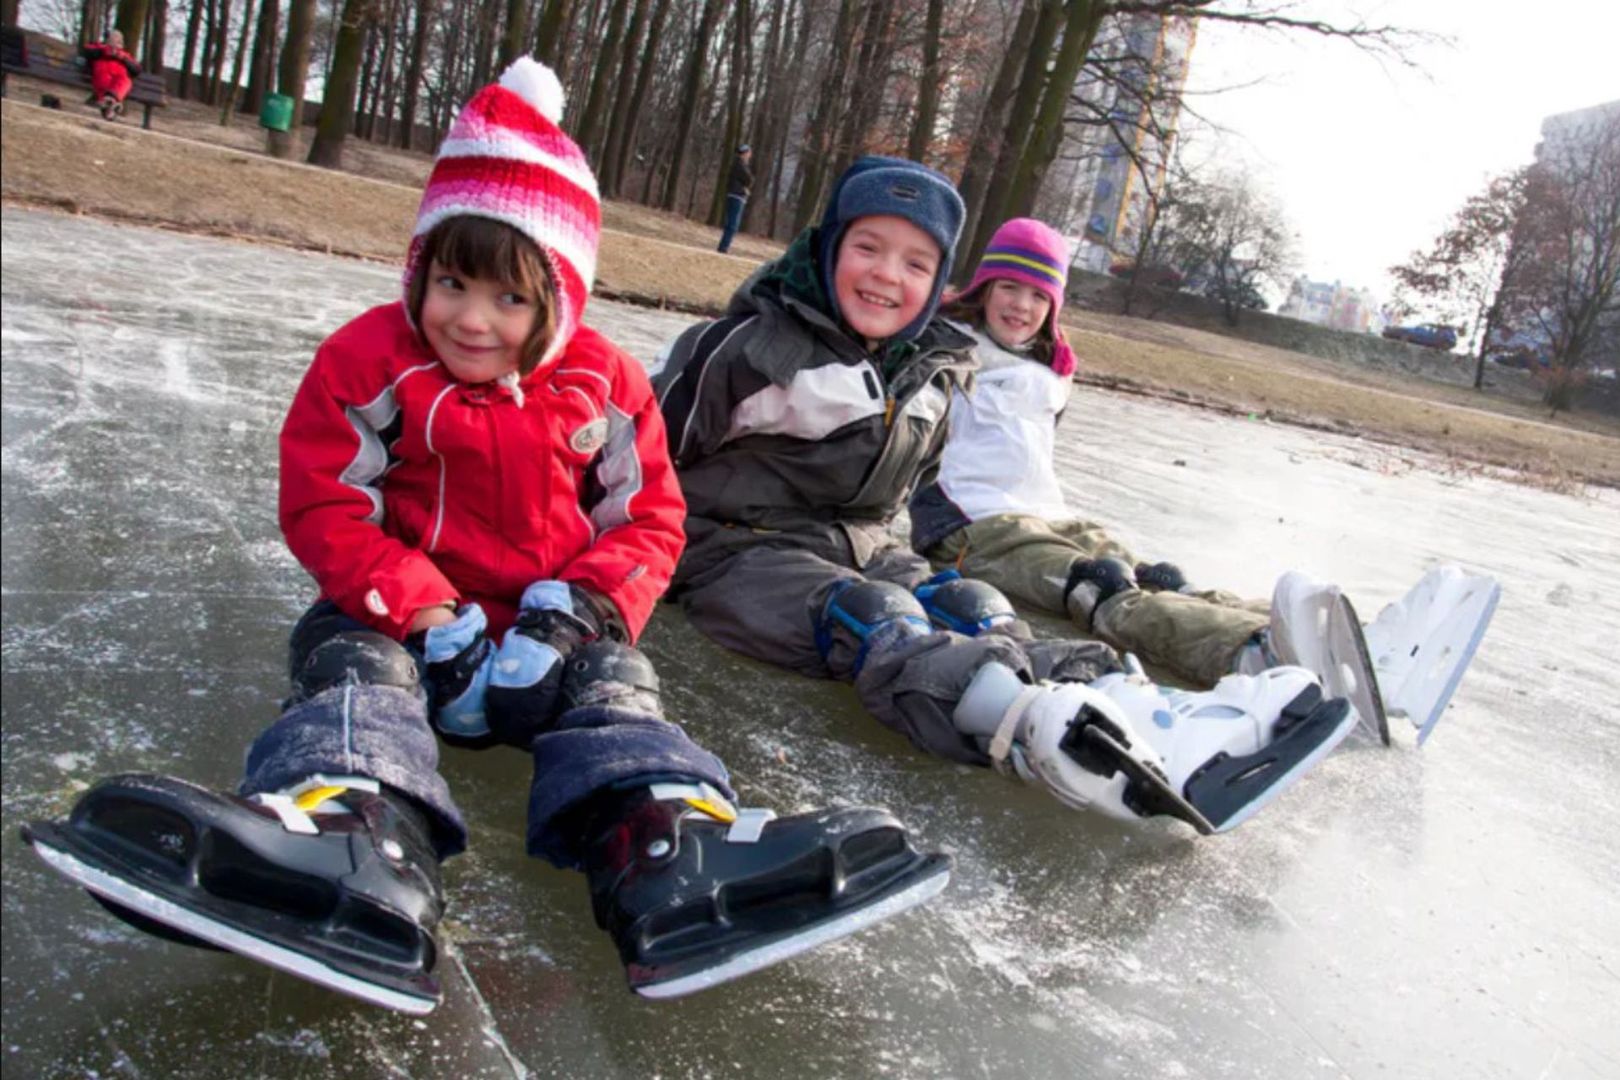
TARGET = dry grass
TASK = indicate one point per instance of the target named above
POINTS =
(195, 175)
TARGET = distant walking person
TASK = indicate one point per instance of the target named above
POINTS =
(738, 186)
(112, 75)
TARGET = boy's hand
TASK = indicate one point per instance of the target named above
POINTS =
(553, 619)
(459, 658)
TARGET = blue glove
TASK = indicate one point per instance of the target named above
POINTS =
(553, 619)
(459, 659)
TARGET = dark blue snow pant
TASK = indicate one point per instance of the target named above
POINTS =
(383, 732)
(734, 213)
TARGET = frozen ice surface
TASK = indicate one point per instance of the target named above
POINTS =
(1400, 914)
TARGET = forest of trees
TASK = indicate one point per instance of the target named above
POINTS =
(660, 91)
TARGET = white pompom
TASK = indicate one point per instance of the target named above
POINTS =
(537, 84)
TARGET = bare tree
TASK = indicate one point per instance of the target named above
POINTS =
(1230, 238)
(1566, 283)
(1459, 275)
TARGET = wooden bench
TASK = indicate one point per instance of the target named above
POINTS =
(41, 57)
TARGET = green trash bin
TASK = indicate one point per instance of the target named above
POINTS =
(277, 113)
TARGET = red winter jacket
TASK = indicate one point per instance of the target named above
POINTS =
(402, 488)
(112, 70)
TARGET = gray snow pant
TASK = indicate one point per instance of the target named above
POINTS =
(762, 594)
(1197, 636)
(382, 732)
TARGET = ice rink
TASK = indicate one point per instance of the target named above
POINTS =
(1450, 912)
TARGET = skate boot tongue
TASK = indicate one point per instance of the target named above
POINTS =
(696, 892)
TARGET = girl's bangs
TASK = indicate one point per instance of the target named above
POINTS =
(483, 248)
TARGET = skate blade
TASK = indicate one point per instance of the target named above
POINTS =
(1361, 686)
(1153, 795)
(774, 952)
(1325, 636)
(1439, 663)
(128, 895)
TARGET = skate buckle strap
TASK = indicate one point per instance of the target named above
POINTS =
(704, 798)
(1002, 743)
(294, 805)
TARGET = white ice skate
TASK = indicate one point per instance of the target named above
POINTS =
(1129, 749)
(1314, 626)
(1423, 642)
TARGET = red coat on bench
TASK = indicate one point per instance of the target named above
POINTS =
(112, 70)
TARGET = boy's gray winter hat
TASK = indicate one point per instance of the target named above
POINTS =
(875, 186)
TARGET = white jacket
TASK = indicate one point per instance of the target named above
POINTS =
(998, 458)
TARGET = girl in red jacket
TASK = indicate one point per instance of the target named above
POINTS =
(481, 488)
(112, 74)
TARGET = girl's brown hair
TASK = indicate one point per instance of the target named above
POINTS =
(480, 247)
(969, 308)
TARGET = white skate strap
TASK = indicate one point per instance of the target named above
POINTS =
(293, 818)
(1002, 742)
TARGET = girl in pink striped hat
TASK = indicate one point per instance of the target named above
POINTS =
(480, 486)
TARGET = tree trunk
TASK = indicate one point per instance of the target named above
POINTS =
(222, 39)
(548, 36)
(815, 152)
(264, 52)
(233, 87)
(193, 25)
(367, 78)
(990, 131)
(1046, 134)
(205, 63)
(871, 75)
(1026, 100)
(607, 60)
(691, 93)
(292, 71)
(484, 47)
(337, 103)
(741, 16)
(580, 49)
(922, 124)
(426, 10)
(157, 37)
(131, 22)
(772, 84)
(8, 12)
(382, 97)
(645, 72)
(515, 34)
(623, 90)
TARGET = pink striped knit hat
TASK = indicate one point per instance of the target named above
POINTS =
(1035, 254)
(506, 159)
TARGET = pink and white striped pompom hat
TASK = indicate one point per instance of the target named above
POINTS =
(506, 159)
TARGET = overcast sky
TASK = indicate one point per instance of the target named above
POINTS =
(1370, 159)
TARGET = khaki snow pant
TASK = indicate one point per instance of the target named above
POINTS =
(1196, 636)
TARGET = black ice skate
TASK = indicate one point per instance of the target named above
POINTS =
(696, 893)
(343, 893)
